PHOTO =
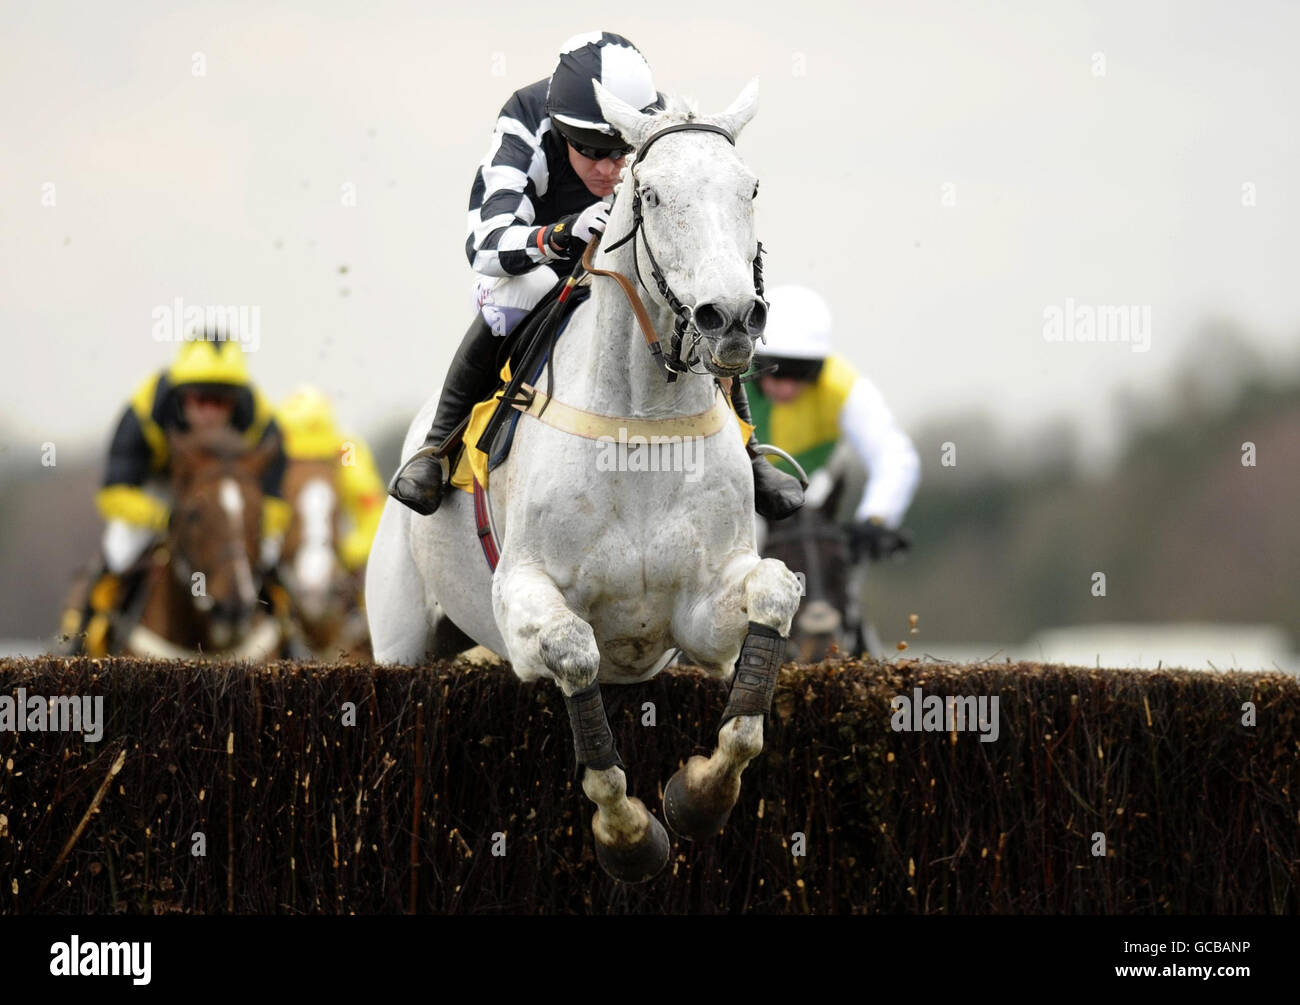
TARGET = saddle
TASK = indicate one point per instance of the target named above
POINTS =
(489, 431)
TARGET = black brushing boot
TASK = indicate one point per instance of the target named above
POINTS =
(472, 375)
(776, 494)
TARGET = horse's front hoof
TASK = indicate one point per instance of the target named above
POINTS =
(638, 862)
(690, 816)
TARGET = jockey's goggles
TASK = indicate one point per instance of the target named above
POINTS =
(790, 367)
(596, 153)
(204, 396)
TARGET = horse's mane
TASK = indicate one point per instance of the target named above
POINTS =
(677, 108)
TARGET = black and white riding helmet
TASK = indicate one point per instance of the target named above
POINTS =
(571, 100)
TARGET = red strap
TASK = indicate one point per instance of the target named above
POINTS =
(484, 527)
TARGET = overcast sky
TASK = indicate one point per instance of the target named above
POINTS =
(943, 173)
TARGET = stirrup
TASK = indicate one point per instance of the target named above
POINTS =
(422, 452)
(767, 448)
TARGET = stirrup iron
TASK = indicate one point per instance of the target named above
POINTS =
(767, 448)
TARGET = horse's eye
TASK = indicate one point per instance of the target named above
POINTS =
(755, 195)
(650, 197)
(193, 516)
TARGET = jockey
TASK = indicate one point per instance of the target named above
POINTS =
(815, 398)
(207, 386)
(539, 197)
(310, 433)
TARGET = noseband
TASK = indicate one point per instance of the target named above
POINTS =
(672, 364)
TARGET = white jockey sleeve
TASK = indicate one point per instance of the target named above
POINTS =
(124, 543)
(892, 464)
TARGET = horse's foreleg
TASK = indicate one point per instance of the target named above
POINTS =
(700, 796)
(542, 632)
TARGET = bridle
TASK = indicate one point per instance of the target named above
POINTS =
(183, 570)
(672, 364)
(536, 353)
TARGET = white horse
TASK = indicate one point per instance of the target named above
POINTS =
(603, 573)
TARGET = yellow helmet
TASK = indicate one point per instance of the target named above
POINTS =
(306, 418)
(205, 361)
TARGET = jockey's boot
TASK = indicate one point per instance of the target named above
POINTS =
(776, 494)
(472, 375)
(106, 599)
(77, 613)
(88, 622)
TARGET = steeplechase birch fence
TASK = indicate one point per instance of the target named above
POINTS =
(354, 789)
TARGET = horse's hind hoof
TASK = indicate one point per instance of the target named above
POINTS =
(639, 862)
(689, 816)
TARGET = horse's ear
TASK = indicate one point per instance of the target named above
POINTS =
(259, 459)
(740, 111)
(632, 125)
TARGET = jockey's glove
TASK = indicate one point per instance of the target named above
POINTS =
(569, 235)
(873, 540)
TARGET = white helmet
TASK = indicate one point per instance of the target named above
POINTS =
(798, 324)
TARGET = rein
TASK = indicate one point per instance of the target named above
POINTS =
(672, 364)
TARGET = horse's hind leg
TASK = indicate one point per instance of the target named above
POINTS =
(395, 609)
(699, 797)
(542, 634)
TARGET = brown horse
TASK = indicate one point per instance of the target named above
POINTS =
(814, 545)
(202, 594)
(325, 598)
(814, 548)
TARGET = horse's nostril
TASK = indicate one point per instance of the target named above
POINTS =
(756, 319)
(710, 318)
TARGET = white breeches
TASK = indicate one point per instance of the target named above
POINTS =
(124, 543)
(504, 300)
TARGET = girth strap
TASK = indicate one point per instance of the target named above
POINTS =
(483, 524)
